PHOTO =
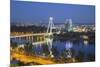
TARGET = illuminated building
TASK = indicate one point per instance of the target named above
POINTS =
(68, 25)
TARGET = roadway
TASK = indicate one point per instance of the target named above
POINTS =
(29, 59)
(28, 35)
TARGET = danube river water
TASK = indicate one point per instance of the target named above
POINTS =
(61, 49)
(67, 49)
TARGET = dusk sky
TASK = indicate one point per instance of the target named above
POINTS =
(35, 12)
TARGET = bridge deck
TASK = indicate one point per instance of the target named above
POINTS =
(27, 35)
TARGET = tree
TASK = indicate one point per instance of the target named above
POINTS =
(28, 48)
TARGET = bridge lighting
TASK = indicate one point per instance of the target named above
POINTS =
(51, 18)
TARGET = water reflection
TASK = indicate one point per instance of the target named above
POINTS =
(68, 45)
(66, 49)
(85, 42)
(81, 50)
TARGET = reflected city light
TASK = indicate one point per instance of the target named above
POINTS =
(85, 42)
(68, 45)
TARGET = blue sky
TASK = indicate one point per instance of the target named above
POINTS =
(36, 12)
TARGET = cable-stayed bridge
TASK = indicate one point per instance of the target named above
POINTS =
(41, 36)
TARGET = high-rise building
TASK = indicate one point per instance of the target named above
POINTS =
(68, 25)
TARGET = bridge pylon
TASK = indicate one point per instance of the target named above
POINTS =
(50, 26)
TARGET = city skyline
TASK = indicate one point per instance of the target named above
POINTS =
(30, 12)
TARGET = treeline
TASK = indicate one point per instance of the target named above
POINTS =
(32, 28)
